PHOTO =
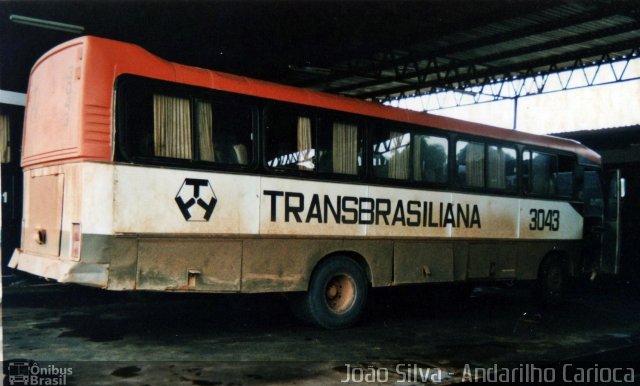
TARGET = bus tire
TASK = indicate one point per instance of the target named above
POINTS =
(337, 294)
(553, 281)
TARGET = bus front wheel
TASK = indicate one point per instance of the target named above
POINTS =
(552, 282)
(337, 294)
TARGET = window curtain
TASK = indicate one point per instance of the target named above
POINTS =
(305, 148)
(399, 161)
(496, 167)
(171, 127)
(419, 142)
(474, 160)
(242, 155)
(543, 167)
(5, 148)
(206, 146)
(345, 148)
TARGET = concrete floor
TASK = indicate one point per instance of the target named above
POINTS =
(110, 338)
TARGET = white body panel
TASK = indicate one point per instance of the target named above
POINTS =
(144, 202)
(126, 199)
(179, 230)
(97, 198)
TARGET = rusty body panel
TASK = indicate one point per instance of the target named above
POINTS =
(201, 264)
(95, 275)
(189, 264)
(423, 262)
(278, 264)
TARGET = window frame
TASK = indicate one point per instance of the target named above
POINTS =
(296, 110)
(526, 188)
(123, 151)
(320, 119)
(426, 132)
(413, 131)
(505, 190)
(486, 142)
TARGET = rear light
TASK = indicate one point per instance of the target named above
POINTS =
(76, 240)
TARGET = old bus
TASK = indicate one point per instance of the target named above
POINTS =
(141, 174)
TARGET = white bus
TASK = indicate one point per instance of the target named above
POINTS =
(141, 174)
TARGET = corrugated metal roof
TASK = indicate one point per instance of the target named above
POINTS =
(554, 37)
(372, 49)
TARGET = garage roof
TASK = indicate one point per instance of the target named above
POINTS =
(365, 49)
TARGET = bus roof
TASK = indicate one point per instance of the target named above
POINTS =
(104, 60)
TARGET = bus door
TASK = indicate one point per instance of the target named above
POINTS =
(610, 251)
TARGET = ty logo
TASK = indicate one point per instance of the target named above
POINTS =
(196, 199)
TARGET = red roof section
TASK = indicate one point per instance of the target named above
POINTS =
(104, 60)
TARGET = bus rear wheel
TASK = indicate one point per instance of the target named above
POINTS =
(552, 282)
(337, 294)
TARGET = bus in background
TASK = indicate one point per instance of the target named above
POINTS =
(11, 117)
(142, 174)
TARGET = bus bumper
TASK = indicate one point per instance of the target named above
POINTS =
(95, 275)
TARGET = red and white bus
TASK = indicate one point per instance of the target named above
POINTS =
(142, 174)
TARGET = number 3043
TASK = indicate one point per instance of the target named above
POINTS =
(542, 219)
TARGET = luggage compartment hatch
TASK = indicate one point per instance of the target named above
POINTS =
(43, 214)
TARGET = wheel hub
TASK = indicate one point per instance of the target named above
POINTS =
(340, 293)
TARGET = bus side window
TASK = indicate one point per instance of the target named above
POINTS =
(339, 148)
(540, 173)
(544, 168)
(564, 176)
(501, 168)
(391, 154)
(526, 171)
(223, 132)
(470, 163)
(289, 141)
(430, 158)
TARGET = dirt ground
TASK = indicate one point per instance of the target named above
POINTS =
(409, 335)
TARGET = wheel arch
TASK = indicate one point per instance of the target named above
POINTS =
(554, 274)
(355, 256)
(557, 255)
(334, 298)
